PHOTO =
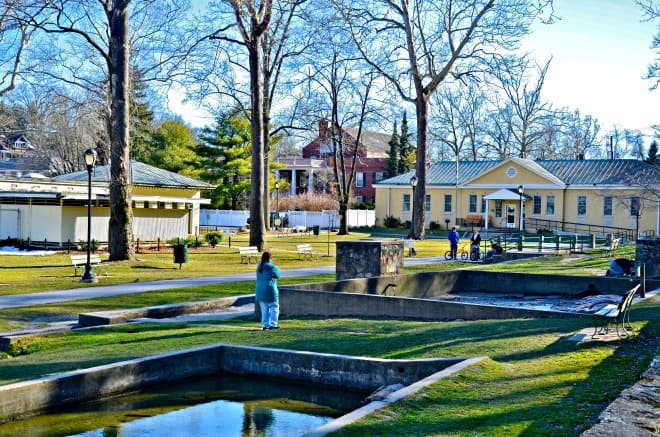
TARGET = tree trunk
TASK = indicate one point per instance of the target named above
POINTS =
(419, 196)
(257, 225)
(121, 213)
(343, 219)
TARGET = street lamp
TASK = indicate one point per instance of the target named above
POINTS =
(277, 203)
(521, 191)
(90, 160)
(413, 184)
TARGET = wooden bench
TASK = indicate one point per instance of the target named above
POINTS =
(410, 245)
(249, 253)
(619, 315)
(306, 251)
(81, 261)
(612, 247)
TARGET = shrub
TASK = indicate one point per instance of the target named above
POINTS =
(23, 346)
(308, 202)
(190, 241)
(434, 226)
(82, 244)
(213, 238)
(391, 222)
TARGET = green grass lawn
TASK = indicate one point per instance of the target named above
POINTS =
(534, 381)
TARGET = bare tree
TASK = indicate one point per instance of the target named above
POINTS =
(458, 115)
(17, 26)
(418, 44)
(651, 10)
(580, 135)
(94, 54)
(281, 40)
(524, 99)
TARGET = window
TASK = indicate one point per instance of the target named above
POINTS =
(537, 205)
(359, 199)
(406, 202)
(447, 202)
(359, 180)
(473, 204)
(550, 205)
(607, 206)
(483, 204)
(427, 207)
(377, 176)
(582, 205)
(498, 208)
(634, 206)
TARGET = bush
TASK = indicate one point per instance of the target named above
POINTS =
(391, 222)
(213, 238)
(190, 241)
(82, 244)
(434, 226)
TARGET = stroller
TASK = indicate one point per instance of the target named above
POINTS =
(475, 253)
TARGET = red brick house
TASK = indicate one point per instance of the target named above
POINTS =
(371, 167)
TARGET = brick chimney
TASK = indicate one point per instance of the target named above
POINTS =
(324, 129)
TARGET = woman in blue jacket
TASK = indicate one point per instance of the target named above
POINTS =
(267, 293)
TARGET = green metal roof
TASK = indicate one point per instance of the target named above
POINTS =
(572, 172)
(140, 174)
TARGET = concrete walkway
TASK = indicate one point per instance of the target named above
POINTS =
(93, 292)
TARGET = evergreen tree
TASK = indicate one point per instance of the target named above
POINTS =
(406, 149)
(653, 154)
(141, 117)
(393, 165)
(226, 152)
(173, 147)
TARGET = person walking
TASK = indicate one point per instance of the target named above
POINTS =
(267, 293)
(453, 241)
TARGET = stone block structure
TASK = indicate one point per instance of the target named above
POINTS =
(370, 258)
(648, 253)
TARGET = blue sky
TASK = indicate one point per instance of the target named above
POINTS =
(600, 50)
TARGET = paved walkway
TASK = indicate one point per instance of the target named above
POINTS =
(92, 292)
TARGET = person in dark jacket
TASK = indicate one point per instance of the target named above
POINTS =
(620, 267)
(475, 244)
(453, 241)
(267, 294)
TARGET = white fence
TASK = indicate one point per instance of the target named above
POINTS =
(221, 217)
(323, 219)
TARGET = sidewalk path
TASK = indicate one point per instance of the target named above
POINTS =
(23, 300)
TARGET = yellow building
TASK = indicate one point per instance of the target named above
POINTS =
(596, 196)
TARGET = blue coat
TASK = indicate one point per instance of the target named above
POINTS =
(453, 238)
(267, 283)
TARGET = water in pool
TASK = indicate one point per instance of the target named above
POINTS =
(209, 406)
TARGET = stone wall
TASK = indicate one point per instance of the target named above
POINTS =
(369, 258)
(648, 253)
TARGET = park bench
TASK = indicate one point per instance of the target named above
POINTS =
(610, 249)
(249, 253)
(618, 315)
(306, 251)
(81, 261)
(410, 245)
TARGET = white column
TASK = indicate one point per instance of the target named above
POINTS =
(293, 182)
(310, 181)
(486, 215)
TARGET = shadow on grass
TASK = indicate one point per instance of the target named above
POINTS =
(557, 389)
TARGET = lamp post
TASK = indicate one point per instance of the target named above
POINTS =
(413, 184)
(90, 160)
(277, 203)
(521, 191)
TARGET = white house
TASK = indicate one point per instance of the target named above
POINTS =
(165, 205)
